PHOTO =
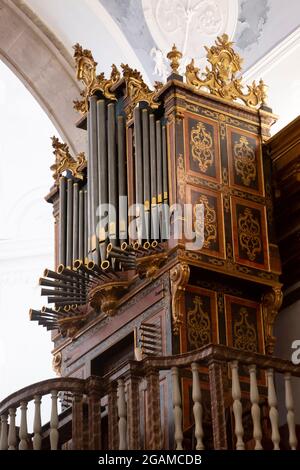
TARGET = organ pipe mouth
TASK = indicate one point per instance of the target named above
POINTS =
(30, 313)
(61, 269)
(136, 245)
(109, 247)
(91, 265)
(77, 264)
(46, 272)
(146, 245)
(105, 265)
(154, 244)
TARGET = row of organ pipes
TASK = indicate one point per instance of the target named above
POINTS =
(81, 235)
(89, 252)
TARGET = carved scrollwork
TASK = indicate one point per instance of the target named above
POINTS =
(202, 146)
(105, 297)
(244, 161)
(249, 234)
(86, 73)
(221, 79)
(272, 301)
(179, 276)
(245, 336)
(65, 162)
(56, 363)
(198, 324)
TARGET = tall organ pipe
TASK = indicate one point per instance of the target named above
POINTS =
(81, 226)
(86, 228)
(112, 171)
(62, 221)
(69, 250)
(146, 172)
(122, 179)
(75, 221)
(102, 170)
(159, 174)
(153, 172)
(139, 191)
(93, 177)
(165, 215)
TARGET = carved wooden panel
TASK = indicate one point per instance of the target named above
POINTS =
(202, 147)
(244, 161)
(244, 325)
(249, 233)
(200, 326)
(213, 219)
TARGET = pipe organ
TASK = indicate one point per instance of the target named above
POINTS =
(197, 139)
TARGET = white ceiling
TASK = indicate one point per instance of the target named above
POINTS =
(135, 31)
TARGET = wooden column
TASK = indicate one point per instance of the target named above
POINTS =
(94, 414)
(153, 434)
(217, 391)
(77, 421)
(133, 411)
(113, 443)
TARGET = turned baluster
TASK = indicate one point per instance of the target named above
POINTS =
(122, 413)
(3, 436)
(273, 413)
(197, 408)
(289, 403)
(23, 432)
(12, 433)
(54, 421)
(37, 424)
(237, 406)
(177, 411)
(255, 410)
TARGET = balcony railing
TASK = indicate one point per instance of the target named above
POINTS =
(105, 412)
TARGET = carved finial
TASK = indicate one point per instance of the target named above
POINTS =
(223, 78)
(174, 57)
(65, 162)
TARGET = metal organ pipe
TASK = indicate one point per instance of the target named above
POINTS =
(80, 227)
(139, 192)
(153, 173)
(75, 221)
(62, 220)
(122, 180)
(102, 169)
(112, 171)
(146, 173)
(93, 177)
(69, 250)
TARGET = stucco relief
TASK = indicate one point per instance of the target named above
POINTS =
(189, 23)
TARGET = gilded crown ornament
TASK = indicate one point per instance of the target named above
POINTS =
(65, 162)
(222, 79)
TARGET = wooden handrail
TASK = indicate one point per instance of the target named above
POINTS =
(61, 384)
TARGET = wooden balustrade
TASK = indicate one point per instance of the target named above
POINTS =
(120, 391)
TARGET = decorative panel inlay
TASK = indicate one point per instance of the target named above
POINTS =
(249, 233)
(213, 225)
(202, 147)
(245, 164)
(244, 324)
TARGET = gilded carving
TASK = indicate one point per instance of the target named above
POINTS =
(245, 336)
(272, 301)
(210, 222)
(179, 277)
(86, 73)
(221, 79)
(106, 296)
(181, 177)
(137, 90)
(198, 325)
(249, 234)
(174, 57)
(65, 162)
(56, 363)
(244, 161)
(202, 146)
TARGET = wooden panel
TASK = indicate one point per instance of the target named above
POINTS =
(202, 147)
(214, 220)
(249, 233)
(245, 161)
(244, 325)
(200, 326)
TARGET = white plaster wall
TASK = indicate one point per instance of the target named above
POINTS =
(26, 233)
